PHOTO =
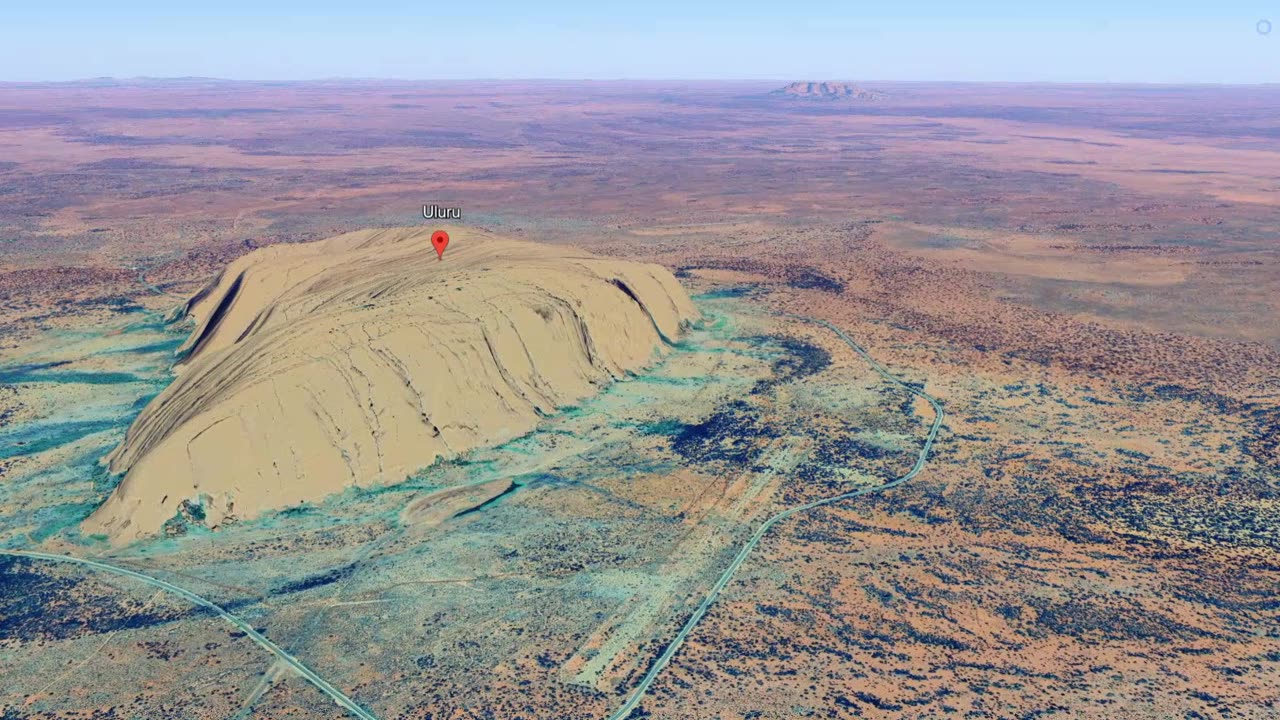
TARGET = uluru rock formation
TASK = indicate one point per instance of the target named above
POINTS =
(828, 90)
(357, 360)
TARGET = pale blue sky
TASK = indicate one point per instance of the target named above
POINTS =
(1173, 41)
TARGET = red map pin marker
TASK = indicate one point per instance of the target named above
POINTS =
(440, 240)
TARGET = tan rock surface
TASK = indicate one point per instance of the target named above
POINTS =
(359, 359)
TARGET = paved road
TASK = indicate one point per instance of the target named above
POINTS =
(663, 660)
(633, 700)
(290, 661)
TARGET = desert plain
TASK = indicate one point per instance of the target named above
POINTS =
(1086, 278)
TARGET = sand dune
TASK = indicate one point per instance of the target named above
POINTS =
(359, 359)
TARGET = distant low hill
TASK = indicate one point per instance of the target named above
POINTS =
(828, 90)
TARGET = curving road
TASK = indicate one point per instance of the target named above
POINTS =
(337, 695)
(673, 647)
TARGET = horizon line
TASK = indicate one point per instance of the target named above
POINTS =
(389, 79)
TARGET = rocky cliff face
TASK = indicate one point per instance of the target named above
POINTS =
(360, 359)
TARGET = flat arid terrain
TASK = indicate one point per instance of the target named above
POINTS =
(1027, 337)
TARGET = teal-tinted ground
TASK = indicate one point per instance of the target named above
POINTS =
(623, 511)
(70, 398)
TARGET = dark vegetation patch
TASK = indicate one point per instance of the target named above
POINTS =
(162, 346)
(71, 376)
(837, 450)
(141, 113)
(32, 439)
(17, 285)
(1107, 618)
(341, 140)
(128, 163)
(728, 293)
(875, 701)
(736, 435)
(115, 303)
(810, 279)
(799, 359)
(1174, 171)
(328, 577)
(36, 606)
(122, 140)
(22, 117)
(18, 373)
(1261, 440)
(1150, 392)
(733, 434)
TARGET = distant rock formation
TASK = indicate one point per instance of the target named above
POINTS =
(357, 360)
(828, 91)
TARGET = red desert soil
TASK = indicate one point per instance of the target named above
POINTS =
(1087, 277)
